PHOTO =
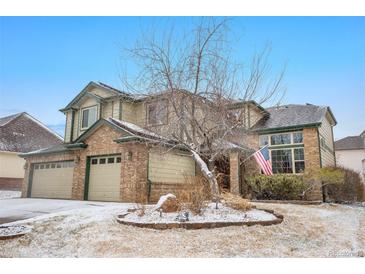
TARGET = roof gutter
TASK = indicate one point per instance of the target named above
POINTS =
(285, 129)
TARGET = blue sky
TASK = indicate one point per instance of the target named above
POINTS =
(46, 61)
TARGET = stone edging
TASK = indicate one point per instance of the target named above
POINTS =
(205, 225)
(15, 235)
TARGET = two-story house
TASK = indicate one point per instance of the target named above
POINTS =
(103, 158)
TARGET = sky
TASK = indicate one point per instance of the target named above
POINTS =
(46, 61)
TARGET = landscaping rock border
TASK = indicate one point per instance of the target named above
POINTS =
(206, 225)
(24, 230)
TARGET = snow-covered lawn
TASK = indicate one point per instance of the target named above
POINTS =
(9, 194)
(307, 231)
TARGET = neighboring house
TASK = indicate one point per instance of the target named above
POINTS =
(20, 133)
(350, 153)
(101, 158)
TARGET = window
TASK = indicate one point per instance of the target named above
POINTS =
(264, 140)
(94, 161)
(110, 160)
(102, 161)
(119, 159)
(53, 165)
(299, 160)
(297, 137)
(281, 161)
(280, 139)
(88, 117)
(157, 113)
(36, 166)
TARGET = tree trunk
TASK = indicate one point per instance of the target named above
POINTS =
(208, 175)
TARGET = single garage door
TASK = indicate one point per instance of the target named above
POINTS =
(104, 178)
(52, 180)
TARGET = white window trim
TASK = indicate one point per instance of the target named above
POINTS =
(82, 116)
(282, 145)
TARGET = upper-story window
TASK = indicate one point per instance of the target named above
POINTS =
(281, 139)
(157, 113)
(89, 116)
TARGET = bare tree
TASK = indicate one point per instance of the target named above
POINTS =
(196, 74)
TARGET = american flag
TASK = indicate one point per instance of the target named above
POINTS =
(263, 159)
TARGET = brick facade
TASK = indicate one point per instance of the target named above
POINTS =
(312, 159)
(10, 183)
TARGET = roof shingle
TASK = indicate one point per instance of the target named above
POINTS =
(349, 143)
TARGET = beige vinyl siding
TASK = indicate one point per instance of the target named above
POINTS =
(169, 167)
(101, 92)
(107, 110)
(140, 114)
(68, 126)
(116, 109)
(327, 148)
(128, 112)
(11, 165)
(76, 126)
(255, 115)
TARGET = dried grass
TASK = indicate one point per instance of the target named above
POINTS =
(235, 201)
(196, 194)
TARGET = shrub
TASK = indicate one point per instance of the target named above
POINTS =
(350, 189)
(235, 201)
(276, 187)
(196, 193)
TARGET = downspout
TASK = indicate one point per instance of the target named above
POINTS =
(149, 182)
(333, 147)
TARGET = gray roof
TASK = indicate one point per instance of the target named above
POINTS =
(349, 143)
(292, 116)
(23, 133)
(7, 119)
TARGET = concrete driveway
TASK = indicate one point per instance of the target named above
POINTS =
(12, 210)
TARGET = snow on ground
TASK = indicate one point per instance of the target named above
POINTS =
(209, 214)
(307, 231)
(9, 194)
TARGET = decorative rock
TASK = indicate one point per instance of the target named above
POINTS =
(182, 217)
(168, 203)
(8, 232)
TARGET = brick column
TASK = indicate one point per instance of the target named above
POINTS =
(312, 160)
(234, 166)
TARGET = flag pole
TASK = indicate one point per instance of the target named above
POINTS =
(253, 154)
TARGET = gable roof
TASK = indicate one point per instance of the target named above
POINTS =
(290, 116)
(18, 133)
(8, 119)
(350, 143)
(113, 92)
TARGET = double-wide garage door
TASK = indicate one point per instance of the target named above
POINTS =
(52, 180)
(104, 178)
